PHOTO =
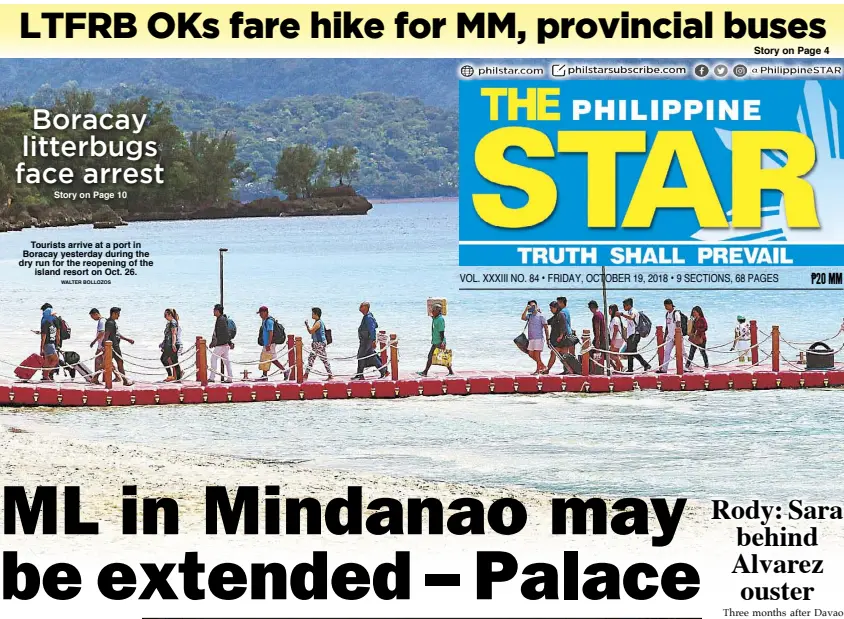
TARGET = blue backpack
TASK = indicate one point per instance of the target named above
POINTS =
(232, 328)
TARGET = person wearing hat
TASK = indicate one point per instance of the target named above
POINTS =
(268, 327)
(741, 341)
(437, 337)
(221, 345)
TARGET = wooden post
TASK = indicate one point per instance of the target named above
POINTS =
(754, 339)
(382, 337)
(394, 357)
(660, 340)
(108, 370)
(585, 345)
(298, 350)
(291, 356)
(775, 348)
(202, 362)
(678, 347)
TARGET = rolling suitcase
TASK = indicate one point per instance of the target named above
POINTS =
(29, 366)
(571, 363)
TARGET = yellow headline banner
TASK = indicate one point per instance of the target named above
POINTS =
(457, 31)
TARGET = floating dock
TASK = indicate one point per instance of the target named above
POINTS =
(463, 384)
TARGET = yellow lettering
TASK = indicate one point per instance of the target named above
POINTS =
(543, 104)
(539, 187)
(749, 179)
(601, 148)
(494, 94)
(651, 192)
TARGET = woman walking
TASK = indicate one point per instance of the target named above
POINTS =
(171, 346)
(318, 343)
(697, 337)
(617, 338)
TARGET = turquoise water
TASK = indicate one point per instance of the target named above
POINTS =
(740, 444)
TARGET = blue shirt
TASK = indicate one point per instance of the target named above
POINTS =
(269, 327)
(369, 321)
(565, 312)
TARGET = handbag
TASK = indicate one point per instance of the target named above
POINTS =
(266, 361)
(328, 338)
(570, 340)
(442, 357)
(521, 340)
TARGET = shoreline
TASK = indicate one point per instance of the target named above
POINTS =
(412, 200)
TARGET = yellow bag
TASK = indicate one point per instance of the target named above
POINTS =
(266, 361)
(442, 357)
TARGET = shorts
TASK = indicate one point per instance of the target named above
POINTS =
(537, 344)
(49, 350)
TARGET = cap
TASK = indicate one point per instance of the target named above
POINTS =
(437, 306)
(739, 317)
(46, 306)
(263, 308)
(93, 311)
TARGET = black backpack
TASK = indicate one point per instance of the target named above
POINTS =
(684, 323)
(279, 336)
(63, 328)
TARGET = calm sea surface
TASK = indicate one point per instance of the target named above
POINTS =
(734, 444)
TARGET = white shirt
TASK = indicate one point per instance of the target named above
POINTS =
(100, 329)
(619, 337)
(631, 322)
(672, 319)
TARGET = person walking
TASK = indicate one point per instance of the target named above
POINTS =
(98, 341)
(537, 333)
(318, 343)
(113, 335)
(171, 346)
(271, 335)
(672, 321)
(368, 354)
(616, 335)
(437, 337)
(569, 338)
(633, 337)
(556, 340)
(741, 341)
(697, 338)
(51, 341)
(599, 332)
(221, 345)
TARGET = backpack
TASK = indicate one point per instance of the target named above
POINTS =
(232, 328)
(684, 323)
(63, 328)
(643, 325)
(279, 337)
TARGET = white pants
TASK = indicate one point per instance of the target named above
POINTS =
(667, 350)
(220, 352)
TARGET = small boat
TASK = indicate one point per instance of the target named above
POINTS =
(98, 225)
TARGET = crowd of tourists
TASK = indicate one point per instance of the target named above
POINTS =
(616, 337)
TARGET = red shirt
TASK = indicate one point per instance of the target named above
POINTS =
(700, 326)
(599, 327)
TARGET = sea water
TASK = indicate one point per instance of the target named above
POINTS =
(778, 444)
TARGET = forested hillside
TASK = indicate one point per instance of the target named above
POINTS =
(406, 148)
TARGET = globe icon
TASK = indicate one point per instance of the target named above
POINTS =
(467, 70)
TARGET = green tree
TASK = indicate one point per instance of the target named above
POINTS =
(296, 171)
(342, 163)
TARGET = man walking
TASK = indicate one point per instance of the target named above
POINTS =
(51, 341)
(112, 334)
(221, 345)
(537, 333)
(633, 337)
(437, 337)
(599, 331)
(672, 319)
(98, 341)
(368, 354)
(272, 334)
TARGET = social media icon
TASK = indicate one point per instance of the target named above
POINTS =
(701, 70)
(739, 70)
(720, 70)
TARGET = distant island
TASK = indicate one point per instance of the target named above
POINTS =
(333, 201)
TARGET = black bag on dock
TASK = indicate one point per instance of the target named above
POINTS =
(572, 364)
(820, 357)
